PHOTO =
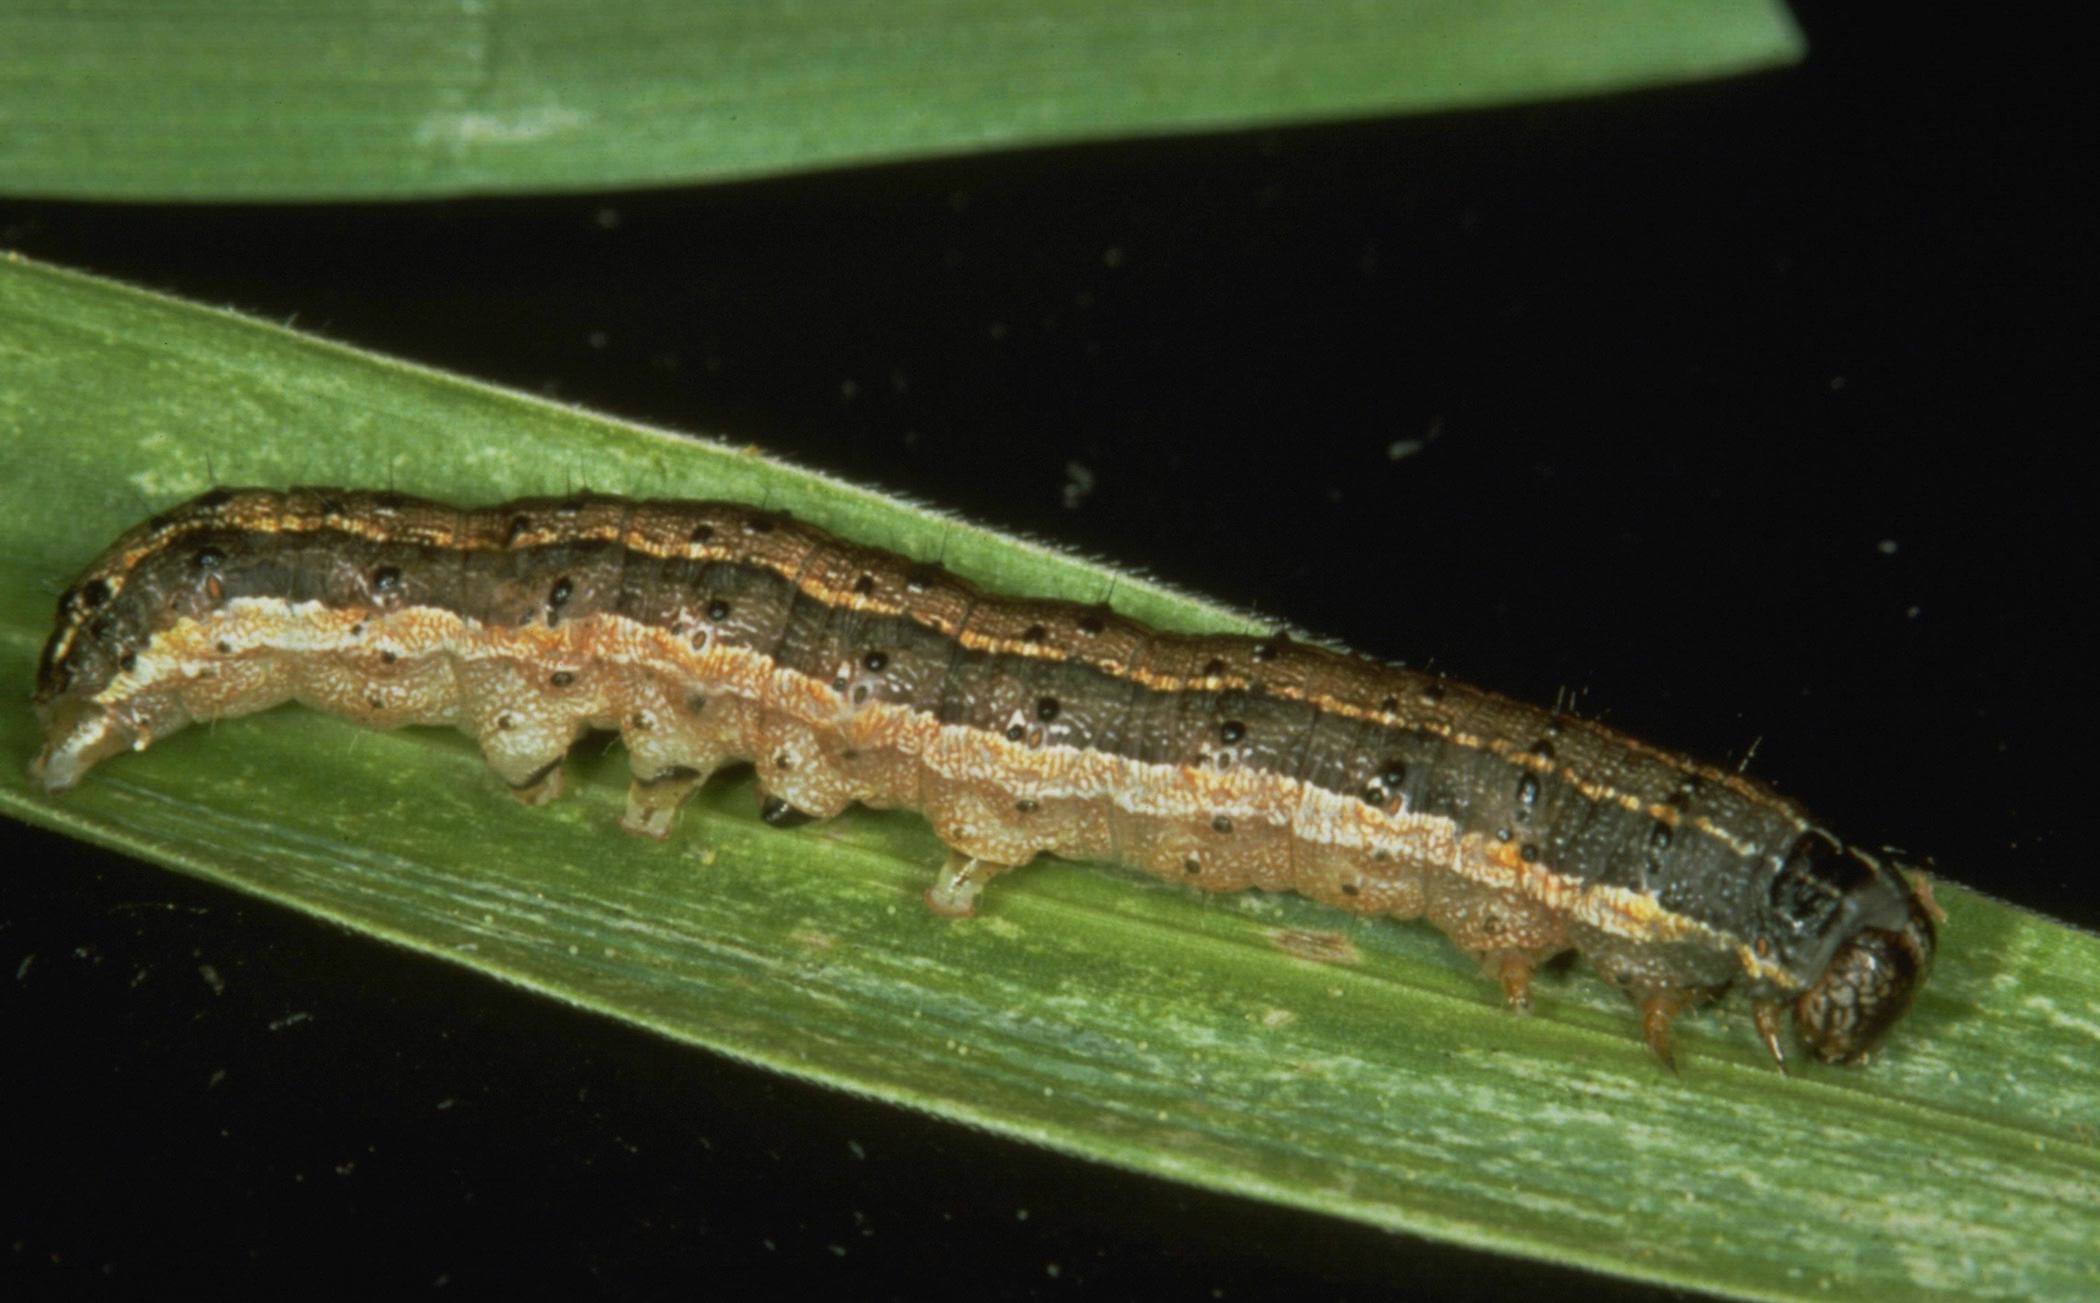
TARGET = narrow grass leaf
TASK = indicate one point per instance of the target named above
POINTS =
(316, 99)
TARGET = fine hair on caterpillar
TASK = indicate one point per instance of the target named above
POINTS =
(714, 633)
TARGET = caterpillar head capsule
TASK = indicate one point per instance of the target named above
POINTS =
(1863, 936)
(1868, 986)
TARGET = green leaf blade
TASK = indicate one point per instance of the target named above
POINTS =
(1257, 1044)
(307, 99)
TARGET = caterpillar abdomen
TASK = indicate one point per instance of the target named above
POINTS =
(712, 633)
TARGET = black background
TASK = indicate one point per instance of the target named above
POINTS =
(1754, 413)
